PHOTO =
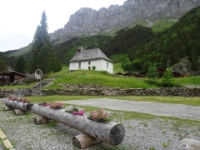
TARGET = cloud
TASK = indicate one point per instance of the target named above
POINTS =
(19, 18)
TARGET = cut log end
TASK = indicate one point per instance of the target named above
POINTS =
(116, 135)
(83, 141)
(28, 107)
(76, 142)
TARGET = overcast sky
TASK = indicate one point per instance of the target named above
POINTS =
(19, 18)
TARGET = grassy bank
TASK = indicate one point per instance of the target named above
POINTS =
(100, 78)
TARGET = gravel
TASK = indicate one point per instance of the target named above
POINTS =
(154, 134)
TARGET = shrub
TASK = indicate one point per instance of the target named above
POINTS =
(167, 80)
(93, 67)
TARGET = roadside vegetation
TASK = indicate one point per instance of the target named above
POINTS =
(193, 101)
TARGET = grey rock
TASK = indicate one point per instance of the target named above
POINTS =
(87, 21)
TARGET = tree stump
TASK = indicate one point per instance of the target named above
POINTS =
(83, 141)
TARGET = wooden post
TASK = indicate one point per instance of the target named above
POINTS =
(6, 108)
(41, 120)
(83, 141)
(111, 133)
(18, 112)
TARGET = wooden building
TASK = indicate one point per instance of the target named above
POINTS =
(161, 73)
(10, 76)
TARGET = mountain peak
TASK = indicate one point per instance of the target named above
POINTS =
(87, 21)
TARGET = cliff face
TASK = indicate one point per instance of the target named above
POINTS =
(88, 21)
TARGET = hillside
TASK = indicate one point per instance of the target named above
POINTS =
(126, 39)
(143, 47)
(18, 52)
(180, 40)
(66, 50)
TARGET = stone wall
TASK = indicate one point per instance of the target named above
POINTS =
(96, 90)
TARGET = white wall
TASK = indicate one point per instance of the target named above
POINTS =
(101, 65)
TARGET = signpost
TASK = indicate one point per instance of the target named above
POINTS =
(38, 75)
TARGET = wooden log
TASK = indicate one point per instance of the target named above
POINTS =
(83, 141)
(19, 105)
(111, 133)
(41, 120)
(18, 112)
(6, 108)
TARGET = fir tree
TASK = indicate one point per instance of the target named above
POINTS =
(20, 64)
(3, 65)
(43, 54)
(167, 79)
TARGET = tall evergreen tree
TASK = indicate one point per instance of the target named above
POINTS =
(43, 54)
(20, 64)
(3, 65)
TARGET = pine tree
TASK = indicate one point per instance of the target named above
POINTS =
(167, 79)
(20, 65)
(3, 65)
(43, 54)
(152, 73)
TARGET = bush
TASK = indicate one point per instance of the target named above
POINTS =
(93, 67)
(167, 80)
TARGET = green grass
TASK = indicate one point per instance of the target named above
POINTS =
(117, 68)
(101, 78)
(188, 80)
(162, 24)
(193, 101)
(64, 70)
(18, 86)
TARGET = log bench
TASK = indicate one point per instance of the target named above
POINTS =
(94, 132)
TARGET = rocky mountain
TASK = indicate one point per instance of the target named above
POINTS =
(87, 21)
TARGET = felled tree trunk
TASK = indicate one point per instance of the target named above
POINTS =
(41, 120)
(18, 112)
(19, 105)
(83, 141)
(111, 133)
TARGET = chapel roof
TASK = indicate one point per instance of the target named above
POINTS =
(91, 54)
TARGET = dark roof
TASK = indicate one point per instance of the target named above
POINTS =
(91, 54)
(10, 70)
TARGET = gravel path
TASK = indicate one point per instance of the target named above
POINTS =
(158, 133)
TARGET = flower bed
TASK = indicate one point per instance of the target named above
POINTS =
(100, 116)
(44, 104)
(74, 110)
(56, 105)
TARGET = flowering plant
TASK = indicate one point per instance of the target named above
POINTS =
(24, 100)
(74, 110)
(12, 97)
(99, 116)
(56, 105)
(44, 104)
